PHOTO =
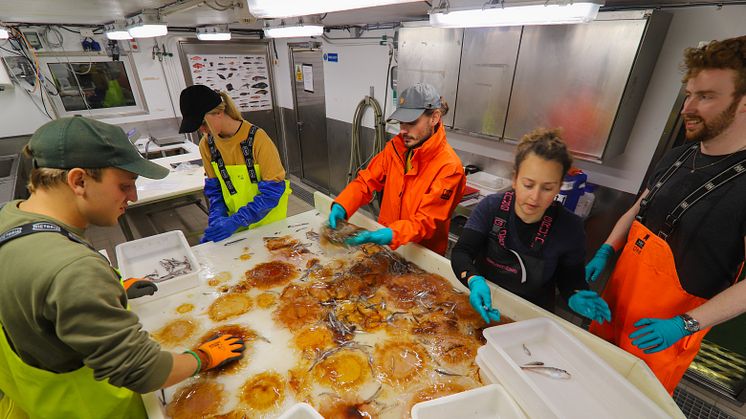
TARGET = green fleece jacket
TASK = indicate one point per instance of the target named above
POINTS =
(62, 306)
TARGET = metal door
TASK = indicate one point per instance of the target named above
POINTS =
(310, 110)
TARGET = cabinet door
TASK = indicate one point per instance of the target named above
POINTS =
(573, 77)
(488, 62)
(430, 55)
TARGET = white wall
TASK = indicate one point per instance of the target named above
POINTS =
(19, 116)
(362, 63)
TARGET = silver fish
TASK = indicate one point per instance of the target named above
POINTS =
(525, 349)
(551, 372)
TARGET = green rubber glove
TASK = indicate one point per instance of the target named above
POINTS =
(594, 268)
(589, 304)
(481, 299)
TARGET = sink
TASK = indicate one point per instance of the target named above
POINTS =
(164, 152)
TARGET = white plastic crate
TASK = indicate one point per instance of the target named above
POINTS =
(301, 411)
(595, 390)
(488, 184)
(488, 402)
(142, 257)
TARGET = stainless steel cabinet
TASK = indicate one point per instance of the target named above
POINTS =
(488, 61)
(588, 79)
(430, 55)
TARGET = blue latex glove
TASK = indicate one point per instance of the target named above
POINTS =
(337, 213)
(268, 197)
(380, 236)
(658, 334)
(589, 304)
(594, 268)
(481, 299)
(214, 196)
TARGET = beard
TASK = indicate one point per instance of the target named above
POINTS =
(715, 127)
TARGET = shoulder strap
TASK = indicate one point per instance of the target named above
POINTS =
(716, 182)
(663, 179)
(43, 227)
(247, 149)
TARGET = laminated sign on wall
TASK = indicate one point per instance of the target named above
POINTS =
(244, 77)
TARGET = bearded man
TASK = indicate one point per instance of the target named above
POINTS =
(685, 235)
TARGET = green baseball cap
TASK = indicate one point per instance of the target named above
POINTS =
(67, 143)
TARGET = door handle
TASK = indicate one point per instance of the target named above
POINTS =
(300, 126)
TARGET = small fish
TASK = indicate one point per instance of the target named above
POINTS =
(448, 374)
(222, 69)
(260, 85)
(534, 364)
(261, 92)
(551, 372)
(257, 78)
(525, 349)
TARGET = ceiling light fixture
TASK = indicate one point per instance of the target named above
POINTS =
(4, 34)
(471, 14)
(116, 31)
(146, 25)
(214, 33)
(300, 28)
(293, 8)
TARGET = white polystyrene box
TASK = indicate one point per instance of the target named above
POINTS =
(595, 389)
(301, 411)
(484, 372)
(141, 257)
(488, 402)
(487, 183)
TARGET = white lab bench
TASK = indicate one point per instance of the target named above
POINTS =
(181, 181)
(629, 366)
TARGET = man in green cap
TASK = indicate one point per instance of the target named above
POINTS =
(69, 347)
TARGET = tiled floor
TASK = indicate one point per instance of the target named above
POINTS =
(159, 218)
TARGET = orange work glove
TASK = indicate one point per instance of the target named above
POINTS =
(221, 350)
(138, 287)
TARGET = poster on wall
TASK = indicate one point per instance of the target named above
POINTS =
(244, 77)
(308, 78)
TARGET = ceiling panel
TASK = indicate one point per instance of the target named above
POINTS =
(99, 12)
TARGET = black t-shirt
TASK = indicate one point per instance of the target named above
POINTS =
(708, 242)
(563, 252)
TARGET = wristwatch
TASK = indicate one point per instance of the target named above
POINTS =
(690, 324)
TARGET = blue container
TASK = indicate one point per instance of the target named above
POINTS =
(573, 187)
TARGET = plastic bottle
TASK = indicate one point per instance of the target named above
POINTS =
(572, 188)
(585, 202)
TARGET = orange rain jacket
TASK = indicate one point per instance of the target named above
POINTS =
(417, 205)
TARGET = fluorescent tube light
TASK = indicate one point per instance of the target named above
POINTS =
(116, 31)
(146, 25)
(4, 33)
(514, 15)
(295, 31)
(214, 33)
(290, 8)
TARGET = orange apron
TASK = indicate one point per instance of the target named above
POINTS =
(645, 284)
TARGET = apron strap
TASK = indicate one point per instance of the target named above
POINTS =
(247, 149)
(499, 223)
(663, 179)
(43, 227)
(672, 219)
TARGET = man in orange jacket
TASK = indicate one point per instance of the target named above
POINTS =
(421, 177)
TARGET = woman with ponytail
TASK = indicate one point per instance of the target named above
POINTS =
(524, 241)
(245, 182)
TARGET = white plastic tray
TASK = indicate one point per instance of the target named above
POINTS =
(488, 184)
(594, 391)
(142, 257)
(301, 411)
(490, 401)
